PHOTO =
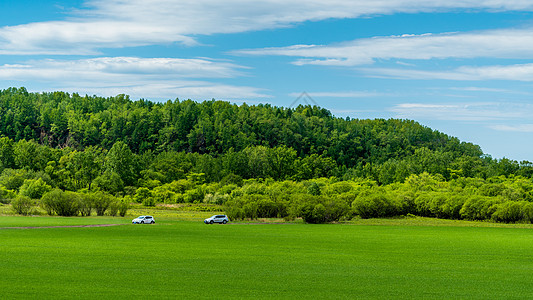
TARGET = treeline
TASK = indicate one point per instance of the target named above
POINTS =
(249, 141)
(211, 152)
(499, 199)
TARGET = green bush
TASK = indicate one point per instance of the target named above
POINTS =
(527, 212)
(123, 207)
(509, 212)
(451, 207)
(141, 194)
(22, 205)
(314, 189)
(149, 201)
(320, 209)
(234, 211)
(375, 204)
(194, 195)
(113, 208)
(479, 207)
(86, 204)
(61, 203)
(101, 202)
(313, 213)
(6, 195)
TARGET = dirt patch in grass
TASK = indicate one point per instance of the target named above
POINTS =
(64, 226)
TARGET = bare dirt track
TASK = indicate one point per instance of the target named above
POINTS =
(66, 226)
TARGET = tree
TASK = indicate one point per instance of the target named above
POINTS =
(109, 181)
(34, 188)
(120, 160)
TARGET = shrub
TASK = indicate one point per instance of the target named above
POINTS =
(267, 208)
(479, 207)
(101, 202)
(194, 195)
(86, 204)
(141, 194)
(233, 211)
(6, 195)
(22, 205)
(423, 205)
(113, 208)
(314, 214)
(62, 203)
(508, 212)
(452, 206)
(123, 207)
(527, 211)
(375, 205)
(318, 210)
(149, 201)
(12, 179)
(314, 189)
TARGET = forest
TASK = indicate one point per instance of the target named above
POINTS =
(73, 154)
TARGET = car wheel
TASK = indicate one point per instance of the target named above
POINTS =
(152, 222)
(142, 222)
(211, 222)
(224, 222)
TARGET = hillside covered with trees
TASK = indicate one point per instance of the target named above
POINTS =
(217, 152)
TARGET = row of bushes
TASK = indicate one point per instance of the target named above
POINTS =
(66, 203)
(443, 205)
(499, 199)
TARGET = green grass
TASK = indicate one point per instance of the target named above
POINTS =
(185, 259)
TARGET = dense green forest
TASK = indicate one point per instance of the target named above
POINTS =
(258, 161)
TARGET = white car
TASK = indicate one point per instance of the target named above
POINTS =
(143, 220)
(222, 219)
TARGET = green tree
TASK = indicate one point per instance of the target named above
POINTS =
(120, 160)
(34, 188)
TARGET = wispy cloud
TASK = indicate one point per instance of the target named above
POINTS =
(513, 128)
(521, 72)
(487, 111)
(482, 89)
(109, 67)
(119, 23)
(508, 43)
(139, 77)
(349, 94)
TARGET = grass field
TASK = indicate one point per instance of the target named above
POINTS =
(187, 259)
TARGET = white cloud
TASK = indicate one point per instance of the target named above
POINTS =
(350, 94)
(513, 128)
(138, 77)
(120, 23)
(110, 67)
(482, 89)
(509, 43)
(521, 72)
(464, 111)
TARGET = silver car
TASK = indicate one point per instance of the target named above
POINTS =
(222, 219)
(143, 220)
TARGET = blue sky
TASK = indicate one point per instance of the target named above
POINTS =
(462, 67)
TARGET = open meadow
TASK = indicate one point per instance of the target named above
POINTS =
(187, 259)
